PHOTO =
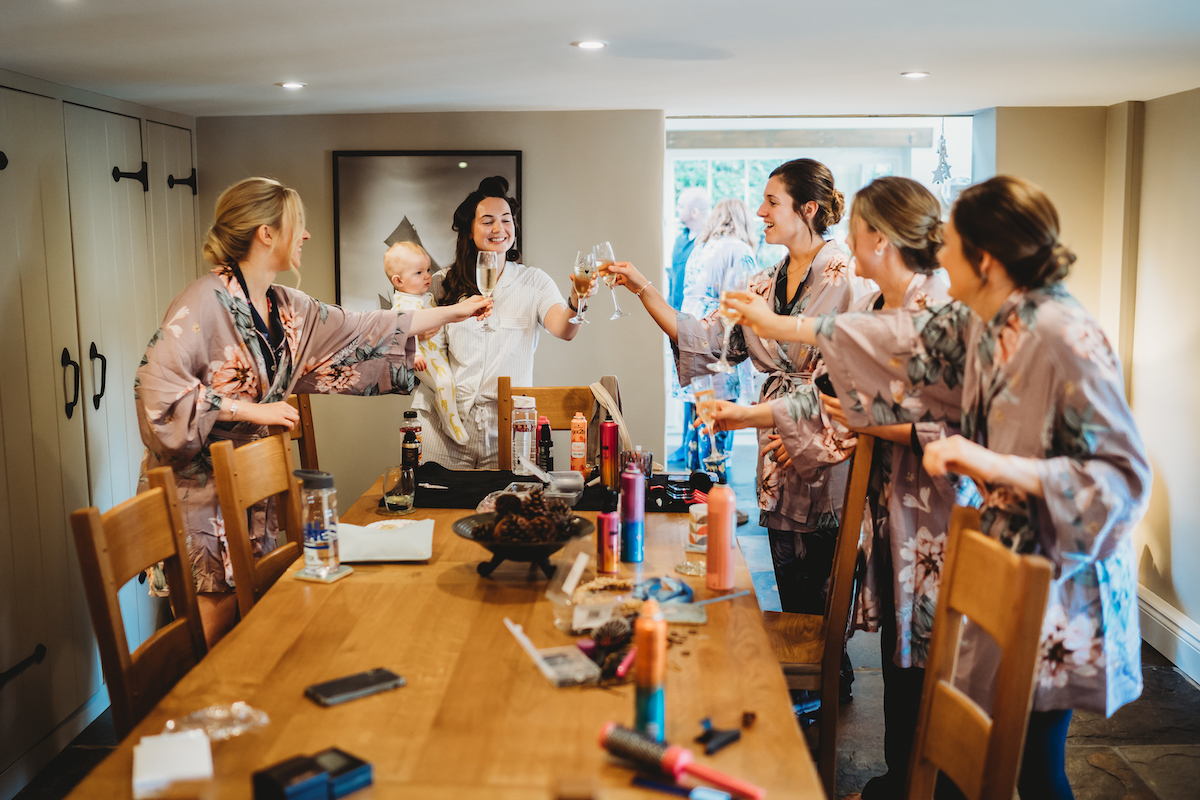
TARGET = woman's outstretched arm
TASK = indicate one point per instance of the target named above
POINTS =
(660, 310)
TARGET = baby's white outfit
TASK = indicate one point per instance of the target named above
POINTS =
(437, 378)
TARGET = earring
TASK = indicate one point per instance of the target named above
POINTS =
(879, 250)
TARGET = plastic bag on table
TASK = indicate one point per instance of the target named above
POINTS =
(220, 722)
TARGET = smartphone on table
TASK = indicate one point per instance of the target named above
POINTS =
(352, 687)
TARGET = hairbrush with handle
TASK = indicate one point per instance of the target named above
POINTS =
(671, 759)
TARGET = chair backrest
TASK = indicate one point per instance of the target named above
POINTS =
(556, 403)
(114, 547)
(302, 434)
(1005, 595)
(246, 475)
(845, 556)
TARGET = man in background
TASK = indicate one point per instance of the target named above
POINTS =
(692, 211)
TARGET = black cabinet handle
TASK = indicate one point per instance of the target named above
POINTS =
(172, 181)
(142, 176)
(93, 354)
(67, 362)
(39, 654)
(4, 160)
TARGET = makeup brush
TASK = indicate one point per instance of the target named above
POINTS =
(671, 759)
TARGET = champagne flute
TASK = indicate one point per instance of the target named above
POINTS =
(704, 392)
(604, 260)
(585, 268)
(736, 279)
(487, 271)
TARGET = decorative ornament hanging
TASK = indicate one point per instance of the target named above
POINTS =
(942, 173)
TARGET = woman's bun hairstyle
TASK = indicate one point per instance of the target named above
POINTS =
(807, 180)
(459, 282)
(908, 216)
(1013, 220)
(242, 209)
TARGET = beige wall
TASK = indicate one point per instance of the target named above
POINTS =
(1166, 348)
(1063, 151)
(588, 177)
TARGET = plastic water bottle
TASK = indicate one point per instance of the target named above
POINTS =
(318, 515)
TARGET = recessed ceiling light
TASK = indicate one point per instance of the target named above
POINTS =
(462, 165)
(914, 76)
(592, 44)
(292, 85)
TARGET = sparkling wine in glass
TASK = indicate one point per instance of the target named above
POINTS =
(736, 279)
(581, 276)
(487, 272)
(604, 260)
(705, 394)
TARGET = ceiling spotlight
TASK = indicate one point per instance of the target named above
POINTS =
(590, 44)
(462, 165)
(914, 76)
(292, 85)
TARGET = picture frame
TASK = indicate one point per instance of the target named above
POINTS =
(384, 196)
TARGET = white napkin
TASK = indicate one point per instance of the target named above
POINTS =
(386, 540)
(159, 761)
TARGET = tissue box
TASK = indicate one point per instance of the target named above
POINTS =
(159, 761)
(386, 540)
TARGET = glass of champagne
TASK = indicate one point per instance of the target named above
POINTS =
(487, 272)
(604, 260)
(736, 279)
(705, 394)
(585, 268)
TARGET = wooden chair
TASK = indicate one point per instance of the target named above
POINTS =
(809, 647)
(302, 434)
(114, 547)
(251, 473)
(1005, 595)
(556, 403)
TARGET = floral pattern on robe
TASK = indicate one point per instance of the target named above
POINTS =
(788, 499)
(892, 372)
(1041, 381)
(209, 353)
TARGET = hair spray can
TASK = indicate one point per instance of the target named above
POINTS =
(608, 453)
(633, 514)
(650, 670)
(722, 512)
(579, 444)
(608, 535)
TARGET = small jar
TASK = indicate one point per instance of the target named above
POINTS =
(412, 423)
(524, 432)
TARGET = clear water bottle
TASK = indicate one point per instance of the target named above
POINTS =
(319, 517)
(524, 432)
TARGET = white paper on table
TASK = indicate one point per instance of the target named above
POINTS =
(159, 761)
(386, 540)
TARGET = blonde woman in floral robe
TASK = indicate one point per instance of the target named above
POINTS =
(233, 347)
(800, 511)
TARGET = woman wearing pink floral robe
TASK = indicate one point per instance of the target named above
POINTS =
(799, 510)
(233, 347)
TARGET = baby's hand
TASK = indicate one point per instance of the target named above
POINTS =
(420, 364)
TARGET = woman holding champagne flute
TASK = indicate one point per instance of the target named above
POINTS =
(524, 301)
(799, 510)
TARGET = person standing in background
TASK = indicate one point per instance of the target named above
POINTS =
(692, 210)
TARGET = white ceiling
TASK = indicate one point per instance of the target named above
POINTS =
(688, 57)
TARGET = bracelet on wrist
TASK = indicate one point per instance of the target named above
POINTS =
(233, 407)
(571, 305)
(645, 286)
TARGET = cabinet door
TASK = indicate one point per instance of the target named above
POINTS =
(43, 466)
(117, 306)
(171, 213)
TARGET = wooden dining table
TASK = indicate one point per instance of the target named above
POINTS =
(476, 718)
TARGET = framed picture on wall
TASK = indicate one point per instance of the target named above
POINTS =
(381, 197)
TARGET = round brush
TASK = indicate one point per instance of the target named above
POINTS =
(671, 759)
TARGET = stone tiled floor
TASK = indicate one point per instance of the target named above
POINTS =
(1148, 750)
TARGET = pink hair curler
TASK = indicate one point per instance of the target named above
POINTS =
(672, 759)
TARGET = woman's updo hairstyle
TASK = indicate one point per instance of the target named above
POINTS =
(460, 279)
(808, 180)
(242, 208)
(908, 216)
(1013, 220)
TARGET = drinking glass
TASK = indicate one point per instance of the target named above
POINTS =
(399, 490)
(487, 271)
(704, 392)
(736, 279)
(604, 259)
(585, 268)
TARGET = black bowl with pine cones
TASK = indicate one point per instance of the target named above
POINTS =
(524, 527)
